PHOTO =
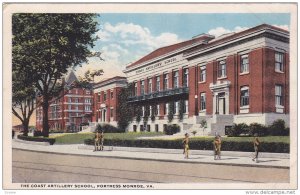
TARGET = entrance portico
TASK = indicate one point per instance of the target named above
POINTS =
(220, 92)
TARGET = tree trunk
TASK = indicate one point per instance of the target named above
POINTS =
(25, 124)
(45, 105)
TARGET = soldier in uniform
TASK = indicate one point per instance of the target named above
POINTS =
(186, 145)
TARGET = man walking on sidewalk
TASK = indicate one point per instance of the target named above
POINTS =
(256, 144)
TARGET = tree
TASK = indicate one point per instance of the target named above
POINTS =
(124, 109)
(203, 124)
(23, 99)
(171, 112)
(45, 46)
(181, 110)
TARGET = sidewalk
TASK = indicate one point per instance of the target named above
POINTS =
(270, 160)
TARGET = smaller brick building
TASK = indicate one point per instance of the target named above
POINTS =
(69, 111)
(106, 100)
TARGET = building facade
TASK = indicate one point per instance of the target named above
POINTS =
(106, 100)
(71, 110)
(236, 78)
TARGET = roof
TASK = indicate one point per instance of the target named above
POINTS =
(109, 81)
(165, 50)
(70, 78)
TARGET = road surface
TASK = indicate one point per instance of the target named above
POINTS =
(38, 167)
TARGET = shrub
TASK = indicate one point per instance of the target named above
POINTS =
(106, 128)
(207, 144)
(37, 133)
(194, 132)
(55, 131)
(278, 128)
(37, 139)
(238, 129)
(258, 129)
(171, 129)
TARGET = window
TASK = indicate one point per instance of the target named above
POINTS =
(87, 108)
(279, 62)
(202, 101)
(87, 100)
(245, 96)
(111, 112)
(203, 73)
(69, 107)
(278, 95)
(157, 83)
(76, 100)
(104, 97)
(76, 107)
(176, 107)
(222, 69)
(244, 64)
(186, 106)
(157, 110)
(142, 87)
(135, 89)
(166, 108)
(150, 85)
(166, 81)
(88, 92)
(111, 94)
(185, 77)
(70, 100)
(99, 97)
(76, 91)
(175, 79)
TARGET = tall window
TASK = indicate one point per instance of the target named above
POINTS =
(104, 97)
(245, 96)
(88, 92)
(70, 100)
(176, 107)
(278, 95)
(166, 81)
(157, 110)
(142, 87)
(111, 94)
(150, 85)
(279, 61)
(69, 107)
(158, 83)
(88, 100)
(166, 109)
(203, 73)
(186, 77)
(135, 89)
(221, 69)
(99, 97)
(244, 64)
(202, 101)
(186, 106)
(111, 112)
(175, 79)
(87, 108)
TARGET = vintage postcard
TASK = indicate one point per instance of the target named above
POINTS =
(150, 96)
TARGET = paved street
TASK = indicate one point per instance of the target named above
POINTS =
(31, 166)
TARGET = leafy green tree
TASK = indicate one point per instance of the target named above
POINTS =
(138, 113)
(171, 111)
(181, 110)
(124, 108)
(45, 46)
(23, 99)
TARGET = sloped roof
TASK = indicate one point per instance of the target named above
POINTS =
(70, 78)
(211, 41)
(167, 49)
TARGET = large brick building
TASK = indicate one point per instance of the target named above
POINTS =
(235, 78)
(70, 110)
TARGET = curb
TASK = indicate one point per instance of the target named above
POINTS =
(33, 142)
(192, 152)
(159, 160)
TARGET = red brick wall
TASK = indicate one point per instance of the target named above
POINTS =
(192, 88)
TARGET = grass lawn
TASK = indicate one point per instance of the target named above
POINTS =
(78, 138)
(283, 139)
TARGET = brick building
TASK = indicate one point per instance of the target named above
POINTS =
(235, 78)
(69, 111)
(106, 100)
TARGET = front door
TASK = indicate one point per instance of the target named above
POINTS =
(221, 104)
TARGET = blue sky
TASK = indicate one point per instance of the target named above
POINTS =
(125, 38)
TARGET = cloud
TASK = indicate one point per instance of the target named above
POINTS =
(219, 31)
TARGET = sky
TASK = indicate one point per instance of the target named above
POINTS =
(127, 37)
